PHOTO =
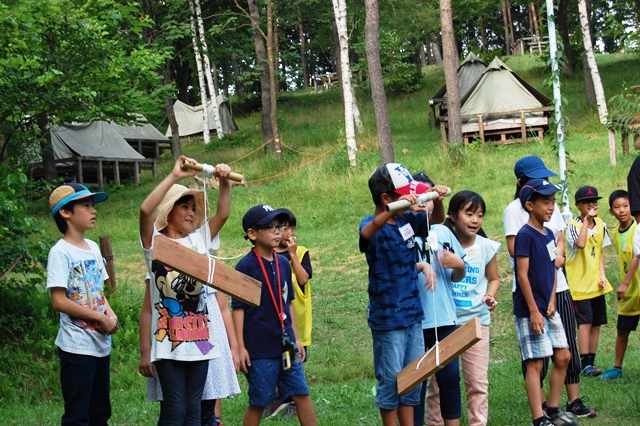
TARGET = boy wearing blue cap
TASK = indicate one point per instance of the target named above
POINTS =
(538, 325)
(75, 278)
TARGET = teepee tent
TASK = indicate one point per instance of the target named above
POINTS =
(500, 105)
(469, 72)
(190, 122)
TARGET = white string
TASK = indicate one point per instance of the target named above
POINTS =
(227, 258)
(212, 268)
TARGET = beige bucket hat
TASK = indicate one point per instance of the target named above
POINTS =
(169, 200)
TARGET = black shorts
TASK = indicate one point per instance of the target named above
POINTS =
(591, 311)
(628, 322)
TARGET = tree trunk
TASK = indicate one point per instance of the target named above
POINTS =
(422, 56)
(563, 29)
(505, 21)
(272, 80)
(213, 92)
(534, 19)
(261, 59)
(483, 35)
(595, 75)
(512, 37)
(203, 89)
(46, 150)
(176, 149)
(437, 55)
(372, 28)
(340, 12)
(336, 43)
(303, 48)
(236, 76)
(588, 83)
(451, 78)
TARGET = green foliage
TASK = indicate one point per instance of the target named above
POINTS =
(624, 113)
(400, 73)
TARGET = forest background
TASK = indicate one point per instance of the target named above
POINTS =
(72, 61)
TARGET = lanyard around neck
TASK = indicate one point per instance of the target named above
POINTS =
(280, 312)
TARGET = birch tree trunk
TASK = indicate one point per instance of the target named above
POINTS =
(207, 68)
(203, 89)
(454, 124)
(595, 76)
(340, 12)
(272, 80)
(372, 28)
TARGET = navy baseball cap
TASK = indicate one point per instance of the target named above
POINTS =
(262, 215)
(532, 167)
(540, 186)
(585, 193)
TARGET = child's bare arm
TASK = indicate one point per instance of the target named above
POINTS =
(588, 220)
(537, 321)
(223, 209)
(551, 309)
(427, 270)
(491, 272)
(144, 331)
(452, 261)
(228, 326)
(437, 215)
(302, 276)
(294, 326)
(155, 197)
(61, 303)
(238, 323)
(369, 230)
(602, 281)
(624, 285)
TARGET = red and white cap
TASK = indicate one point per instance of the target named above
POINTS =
(394, 177)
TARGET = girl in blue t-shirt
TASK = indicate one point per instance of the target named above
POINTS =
(474, 295)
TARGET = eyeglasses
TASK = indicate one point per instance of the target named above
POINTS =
(280, 227)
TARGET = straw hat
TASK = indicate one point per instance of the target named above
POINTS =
(169, 200)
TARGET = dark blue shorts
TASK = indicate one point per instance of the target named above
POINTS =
(267, 375)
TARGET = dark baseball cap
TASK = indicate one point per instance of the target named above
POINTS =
(540, 186)
(532, 167)
(262, 215)
(587, 193)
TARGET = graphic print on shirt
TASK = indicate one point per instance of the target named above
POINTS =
(182, 309)
(86, 289)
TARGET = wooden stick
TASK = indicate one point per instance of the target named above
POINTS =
(196, 265)
(236, 177)
(450, 347)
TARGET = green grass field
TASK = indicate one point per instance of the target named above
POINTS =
(329, 199)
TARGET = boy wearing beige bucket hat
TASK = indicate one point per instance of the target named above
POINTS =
(183, 326)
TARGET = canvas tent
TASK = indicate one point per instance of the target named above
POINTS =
(500, 105)
(190, 118)
(92, 151)
(143, 137)
(469, 72)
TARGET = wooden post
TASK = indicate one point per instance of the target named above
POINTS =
(107, 254)
(481, 130)
(79, 170)
(523, 128)
(154, 169)
(136, 173)
(197, 266)
(450, 347)
(116, 172)
(100, 176)
(443, 131)
(432, 113)
(625, 141)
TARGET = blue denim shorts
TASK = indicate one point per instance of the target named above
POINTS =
(267, 379)
(392, 351)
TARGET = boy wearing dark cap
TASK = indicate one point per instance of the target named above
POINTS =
(268, 345)
(75, 278)
(395, 312)
(538, 325)
(587, 236)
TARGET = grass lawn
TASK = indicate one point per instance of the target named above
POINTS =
(329, 199)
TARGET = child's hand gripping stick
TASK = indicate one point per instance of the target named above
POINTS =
(209, 170)
(422, 198)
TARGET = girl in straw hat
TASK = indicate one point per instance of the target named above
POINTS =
(178, 312)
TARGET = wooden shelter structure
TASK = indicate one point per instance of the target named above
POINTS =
(501, 108)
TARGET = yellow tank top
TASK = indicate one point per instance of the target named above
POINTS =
(583, 271)
(302, 304)
(630, 305)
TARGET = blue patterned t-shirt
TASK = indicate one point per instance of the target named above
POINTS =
(393, 275)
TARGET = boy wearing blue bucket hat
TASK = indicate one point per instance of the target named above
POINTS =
(75, 277)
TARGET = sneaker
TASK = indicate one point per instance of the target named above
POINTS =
(591, 371)
(546, 422)
(561, 419)
(610, 374)
(578, 409)
(545, 405)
